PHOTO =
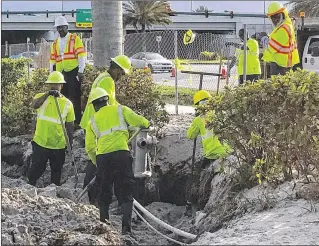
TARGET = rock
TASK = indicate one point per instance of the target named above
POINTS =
(50, 220)
(49, 191)
(12, 149)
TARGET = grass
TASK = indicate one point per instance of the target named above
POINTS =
(185, 95)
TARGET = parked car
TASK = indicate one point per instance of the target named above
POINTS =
(154, 61)
(30, 54)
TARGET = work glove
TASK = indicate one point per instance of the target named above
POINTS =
(264, 42)
(80, 76)
(54, 93)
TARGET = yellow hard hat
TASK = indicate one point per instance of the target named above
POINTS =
(124, 62)
(97, 93)
(201, 95)
(189, 37)
(55, 78)
(275, 8)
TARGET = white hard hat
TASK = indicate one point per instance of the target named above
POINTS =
(61, 21)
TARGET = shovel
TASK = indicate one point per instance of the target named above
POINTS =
(67, 142)
(94, 179)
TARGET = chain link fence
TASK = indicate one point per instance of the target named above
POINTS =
(206, 54)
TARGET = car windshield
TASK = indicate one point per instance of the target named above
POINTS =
(154, 56)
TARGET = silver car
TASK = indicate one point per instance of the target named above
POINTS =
(154, 61)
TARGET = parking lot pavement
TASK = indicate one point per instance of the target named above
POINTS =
(192, 80)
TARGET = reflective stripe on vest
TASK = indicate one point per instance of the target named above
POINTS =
(70, 54)
(100, 80)
(284, 49)
(121, 127)
(206, 135)
(41, 115)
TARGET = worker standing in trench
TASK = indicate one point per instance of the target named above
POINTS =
(119, 66)
(106, 142)
(49, 140)
(253, 64)
(213, 148)
(280, 47)
(68, 56)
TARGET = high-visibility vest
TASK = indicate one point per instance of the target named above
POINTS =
(49, 132)
(104, 81)
(69, 60)
(107, 130)
(282, 46)
(213, 149)
(253, 63)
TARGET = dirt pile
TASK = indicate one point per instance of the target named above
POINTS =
(34, 216)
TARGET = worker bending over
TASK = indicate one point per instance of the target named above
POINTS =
(119, 66)
(213, 149)
(49, 140)
(280, 47)
(106, 142)
(68, 56)
(253, 70)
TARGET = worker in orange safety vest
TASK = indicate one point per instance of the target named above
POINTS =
(68, 56)
(280, 47)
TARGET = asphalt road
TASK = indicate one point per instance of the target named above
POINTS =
(192, 80)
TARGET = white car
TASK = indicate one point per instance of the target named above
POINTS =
(310, 58)
(154, 61)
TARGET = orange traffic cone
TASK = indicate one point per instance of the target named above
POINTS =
(173, 71)
(224, 72)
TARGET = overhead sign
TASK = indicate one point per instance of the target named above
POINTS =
(83, 18)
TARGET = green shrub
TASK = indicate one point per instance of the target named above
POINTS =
(12, 70)
(136, 91)
(272, 126)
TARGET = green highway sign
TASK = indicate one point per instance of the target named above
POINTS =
(83, 18)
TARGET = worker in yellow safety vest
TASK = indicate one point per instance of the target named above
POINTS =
(280, 47)
(119, 66)
(49, 140)
(106, 142)
(253, 69)
(213, 148)
(68, 56)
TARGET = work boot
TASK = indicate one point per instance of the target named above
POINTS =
(104, 213)
(127, 208)
(126, 230)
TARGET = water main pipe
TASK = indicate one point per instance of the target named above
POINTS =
(162, 223)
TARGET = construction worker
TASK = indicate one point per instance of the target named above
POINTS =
(253, 70)
(280, 47)
(119, 66)
(106, 142)
(69, 56)
(213, 149)
(49, 141)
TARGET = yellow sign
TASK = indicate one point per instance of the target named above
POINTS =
(83, 25)
(302, 14)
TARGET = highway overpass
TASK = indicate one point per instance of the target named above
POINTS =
(43, 23)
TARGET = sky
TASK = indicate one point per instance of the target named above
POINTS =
(217, 6)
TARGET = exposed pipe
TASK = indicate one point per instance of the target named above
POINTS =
(150, 226)
(162, 223)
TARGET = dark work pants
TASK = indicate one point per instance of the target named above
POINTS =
(116, 168)
(250, 77)
(90, 172)
(278, 70)
(40, 157)
(72, 91)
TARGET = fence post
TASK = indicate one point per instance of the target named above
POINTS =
(6, 52)
(28, 50)
(176, 73)
(220, 69)
(245, 54)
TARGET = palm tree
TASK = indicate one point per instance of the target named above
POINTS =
(144, 14)
(202, 9)
(310, 7)
(107, 31)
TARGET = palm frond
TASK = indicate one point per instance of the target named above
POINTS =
(310, 7)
